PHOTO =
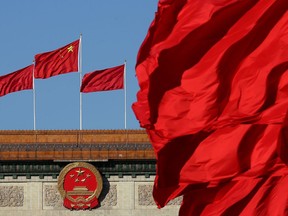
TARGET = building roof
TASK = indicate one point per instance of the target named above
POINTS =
(74, 145)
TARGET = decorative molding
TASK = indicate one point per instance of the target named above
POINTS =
(110, 198)
(145, 197)
(11, 196)
(177, 201)
(52, 197)
(75, 146)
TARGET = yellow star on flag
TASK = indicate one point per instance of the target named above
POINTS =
(70, 48)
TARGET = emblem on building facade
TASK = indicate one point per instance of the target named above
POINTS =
(80, 185)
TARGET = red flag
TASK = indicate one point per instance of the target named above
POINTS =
(213, 97)
(17, 81)
(103, 80)
(56, 62)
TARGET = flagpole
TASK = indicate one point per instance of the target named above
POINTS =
(125, 98)
(34, 99)
(80, 77)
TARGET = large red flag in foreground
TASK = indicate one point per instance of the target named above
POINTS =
(103, 80)
(17, 81)
(56, 62)
(213, 97)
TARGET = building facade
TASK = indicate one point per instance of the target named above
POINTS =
(30, 163)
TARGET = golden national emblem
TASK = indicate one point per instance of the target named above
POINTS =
(80, 185)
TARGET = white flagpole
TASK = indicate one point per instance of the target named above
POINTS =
(80, 77)
(34, 99)
(125, 98)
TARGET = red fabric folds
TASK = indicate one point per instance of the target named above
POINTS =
(245, 195)
(104, 80)
(60, 61)
(17, 81)
(214, 98)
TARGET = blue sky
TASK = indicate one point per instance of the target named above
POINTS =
(112, 31)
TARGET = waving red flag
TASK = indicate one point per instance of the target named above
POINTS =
(17, 81)
(103, 80)
(213, 97)
(56, 62)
